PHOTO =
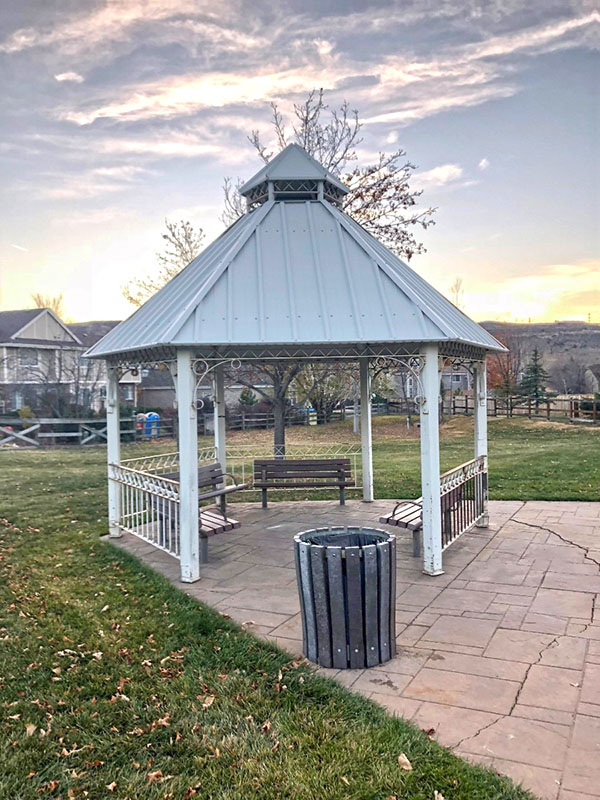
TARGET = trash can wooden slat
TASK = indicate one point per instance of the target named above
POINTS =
(347, 585)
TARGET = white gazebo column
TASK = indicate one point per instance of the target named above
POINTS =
(219, 412)
(481, 442)
(113, 454)
(189, 551)
(430, 464)
(366, 438)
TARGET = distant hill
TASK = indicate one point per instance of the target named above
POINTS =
(556, 340)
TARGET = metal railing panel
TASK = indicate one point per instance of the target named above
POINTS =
(149, 506)
(463, 493)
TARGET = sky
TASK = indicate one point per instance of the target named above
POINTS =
(117, 115)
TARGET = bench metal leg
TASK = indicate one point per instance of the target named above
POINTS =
(417, 543)
(264, 498)
(203, 549)
(223, 505)
(342, 496)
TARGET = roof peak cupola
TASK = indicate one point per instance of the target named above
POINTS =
(293, 175)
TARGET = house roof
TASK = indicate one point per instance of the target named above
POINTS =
(293, 163)
(91, 332)
(11, 322)
(294, 273)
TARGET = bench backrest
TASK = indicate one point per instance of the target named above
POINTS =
(323, 471)
(210, 476)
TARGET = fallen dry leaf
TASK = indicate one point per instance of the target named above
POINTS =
(208, 702)
(154, 776)
(265, 727)
(30, 729)
(345, 780)
(111, 786)
(438, 795)
(404, 763)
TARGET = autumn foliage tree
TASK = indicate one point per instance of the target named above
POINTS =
(504, 369)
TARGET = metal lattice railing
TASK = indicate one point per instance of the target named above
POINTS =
(149, 501)
(240, 458)
(464, 493)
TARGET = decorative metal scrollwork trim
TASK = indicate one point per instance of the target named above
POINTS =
(201, 367)
(413, 364)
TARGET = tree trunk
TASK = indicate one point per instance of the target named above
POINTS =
(279, 427)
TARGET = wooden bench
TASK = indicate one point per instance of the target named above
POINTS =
(212, 484)
(288, 473)
(409, 515)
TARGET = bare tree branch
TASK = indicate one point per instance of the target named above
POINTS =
(183, 242)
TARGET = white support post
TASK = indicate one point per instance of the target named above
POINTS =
(481, 442)
(366, 439)
(430, 464)
(113, 450)
(219, 412)
(189, 550)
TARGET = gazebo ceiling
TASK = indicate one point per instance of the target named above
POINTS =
(294, 275)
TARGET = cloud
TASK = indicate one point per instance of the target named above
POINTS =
(90, 183)
(547, 294)
(460, 76)
(438, 176)
(75, 77)
(483, 164)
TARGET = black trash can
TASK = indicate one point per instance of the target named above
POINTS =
(347, 587)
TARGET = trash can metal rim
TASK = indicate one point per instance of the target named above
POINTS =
(341, 538)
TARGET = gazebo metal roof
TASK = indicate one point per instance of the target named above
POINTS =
(295, 276)
(293, 163)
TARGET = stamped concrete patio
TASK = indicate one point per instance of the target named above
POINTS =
(499, 657)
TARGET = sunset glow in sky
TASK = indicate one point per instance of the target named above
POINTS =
(119, 114)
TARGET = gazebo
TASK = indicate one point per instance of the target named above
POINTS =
(293, 278)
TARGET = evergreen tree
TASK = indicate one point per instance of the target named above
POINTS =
(535, 379)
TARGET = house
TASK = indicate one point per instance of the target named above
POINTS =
(41, 365)
(452, 380)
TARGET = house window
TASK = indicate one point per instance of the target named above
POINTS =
(128, 390)
(456, 378)
(28, 358)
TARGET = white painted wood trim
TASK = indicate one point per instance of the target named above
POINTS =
(430, 464)
(366, 435)
(219, 412)
(185, 385)
(481, 435)
(113, 450)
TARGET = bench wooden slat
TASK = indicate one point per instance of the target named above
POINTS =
(296, 473)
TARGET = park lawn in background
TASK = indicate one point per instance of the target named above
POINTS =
(115, 684)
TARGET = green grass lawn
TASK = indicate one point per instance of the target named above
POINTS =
(114, 684)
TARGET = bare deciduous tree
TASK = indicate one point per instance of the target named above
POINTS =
(380, 197)
(457, 292)
(53, 302)
(568, 376)
(182, 243)
(279, 377)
